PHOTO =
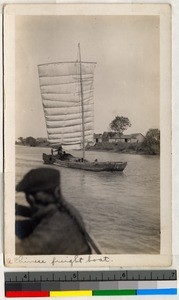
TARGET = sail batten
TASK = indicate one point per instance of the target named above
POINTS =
(69, 139)
(64, 117)
(69, 129)
(70, 133)
(65, 86)
(49, 126)
(63, 79)
(60, 85)
(65, 110)
(66, 91)
(64, 69)
(65, 97)
(53, 82)
(68, 117)
(66, 106)
(61, 102)
(57, 124)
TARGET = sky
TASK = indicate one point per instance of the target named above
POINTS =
(127, 74)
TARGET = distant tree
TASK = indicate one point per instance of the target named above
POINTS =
(21, 139)
(151, 143)
(105, 136)
(120, 124)
(30, 141)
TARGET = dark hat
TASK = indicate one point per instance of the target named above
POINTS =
(39, 180)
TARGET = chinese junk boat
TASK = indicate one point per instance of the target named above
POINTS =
(67, 97)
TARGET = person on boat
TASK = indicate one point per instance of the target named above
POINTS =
(59, 151)
(52, 225)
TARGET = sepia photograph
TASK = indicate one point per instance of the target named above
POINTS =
(87, 135)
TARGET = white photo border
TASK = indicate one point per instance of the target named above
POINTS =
(109, 261)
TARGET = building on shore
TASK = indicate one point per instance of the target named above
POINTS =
(114, 137)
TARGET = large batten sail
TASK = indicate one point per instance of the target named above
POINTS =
(60, 85)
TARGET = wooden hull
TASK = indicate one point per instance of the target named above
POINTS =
(87, 166)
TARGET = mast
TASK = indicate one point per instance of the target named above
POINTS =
(82, 106)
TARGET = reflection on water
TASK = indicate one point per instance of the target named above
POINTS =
(121, 210)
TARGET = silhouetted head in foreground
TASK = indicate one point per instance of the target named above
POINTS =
(52, 225)
(39, 179)
(41, 185)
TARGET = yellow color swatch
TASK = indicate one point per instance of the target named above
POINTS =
(71, 293)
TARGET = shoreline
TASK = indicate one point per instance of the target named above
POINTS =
(123, 152)
(123, 148)
(93, 149)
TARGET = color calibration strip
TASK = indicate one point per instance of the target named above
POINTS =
(104, 283)
(18, 294)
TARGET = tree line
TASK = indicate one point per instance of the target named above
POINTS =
(32, 142)
(151, 142)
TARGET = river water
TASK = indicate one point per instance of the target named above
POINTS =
(121, 210)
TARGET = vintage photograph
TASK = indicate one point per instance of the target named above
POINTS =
(88, 142)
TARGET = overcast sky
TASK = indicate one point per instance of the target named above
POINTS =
(127, 77)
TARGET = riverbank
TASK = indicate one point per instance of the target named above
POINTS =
(128, 148)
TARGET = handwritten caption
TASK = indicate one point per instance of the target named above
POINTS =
(65, 260)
